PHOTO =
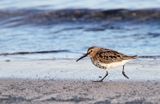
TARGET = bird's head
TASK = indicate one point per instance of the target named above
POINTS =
(91, 52)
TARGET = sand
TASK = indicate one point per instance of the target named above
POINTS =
(83, 70)
(78, 92)
(68, 82)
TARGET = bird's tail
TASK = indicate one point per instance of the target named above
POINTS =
(134, 57)
(131, 57)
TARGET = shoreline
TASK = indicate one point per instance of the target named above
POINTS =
(137, 70)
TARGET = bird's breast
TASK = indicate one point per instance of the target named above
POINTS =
(99, 64)
(109, 65)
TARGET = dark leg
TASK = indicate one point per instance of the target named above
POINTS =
(124, 73)
(101, 80)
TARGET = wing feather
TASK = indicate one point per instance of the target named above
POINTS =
(109, 56)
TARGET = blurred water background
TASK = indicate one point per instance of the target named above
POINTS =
(70, 27)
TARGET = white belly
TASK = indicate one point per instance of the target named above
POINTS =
(115, 64)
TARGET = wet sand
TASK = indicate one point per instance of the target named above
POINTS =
(68, 82)
(69, 69)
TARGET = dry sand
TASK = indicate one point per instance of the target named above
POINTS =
(67, 82)
(78, 92)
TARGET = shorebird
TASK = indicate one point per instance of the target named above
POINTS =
(106, 59)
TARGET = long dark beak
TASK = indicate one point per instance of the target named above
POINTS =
(82, 57)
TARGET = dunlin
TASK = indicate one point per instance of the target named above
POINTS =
(106, 59)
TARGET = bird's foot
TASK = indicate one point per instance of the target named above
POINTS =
(125, 75)
(98, 81)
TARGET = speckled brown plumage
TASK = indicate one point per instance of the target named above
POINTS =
(107, 58)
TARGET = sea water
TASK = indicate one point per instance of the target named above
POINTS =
(43, 25)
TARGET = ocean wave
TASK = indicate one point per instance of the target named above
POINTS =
(65, 51)
(35, 52)
(48, 17)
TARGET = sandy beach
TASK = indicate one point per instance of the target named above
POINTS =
(16, 91)
(68, 82)
(40, 41)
